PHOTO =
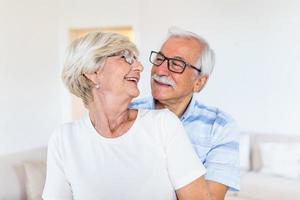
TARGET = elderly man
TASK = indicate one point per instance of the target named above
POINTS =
(181, 68)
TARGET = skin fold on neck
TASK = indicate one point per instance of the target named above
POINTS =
(111, 116)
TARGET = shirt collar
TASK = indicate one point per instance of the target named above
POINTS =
(152, 103)
(189, 109)
(187, 112)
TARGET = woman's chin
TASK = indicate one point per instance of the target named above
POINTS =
(135, 93)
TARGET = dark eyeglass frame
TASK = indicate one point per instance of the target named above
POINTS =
(168, 62)
(126, 55)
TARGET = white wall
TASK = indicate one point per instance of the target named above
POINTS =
(256, 44)
(29, 85)
(257, 47)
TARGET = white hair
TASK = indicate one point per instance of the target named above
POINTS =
(206, 60)
(86, 55)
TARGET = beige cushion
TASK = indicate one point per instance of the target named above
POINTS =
(12, 175)
(244, 151)
(281, 159)
(35, 174)
(257, 139)
(11, 178)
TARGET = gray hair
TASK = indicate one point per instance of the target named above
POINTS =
(206, 60)
(86, 55)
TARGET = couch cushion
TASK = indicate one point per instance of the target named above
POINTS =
(259, 186)
(35, 175)
(12, 176)
(281, 159)
(244, 151)
(257, 139)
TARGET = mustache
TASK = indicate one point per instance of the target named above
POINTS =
(164, 80)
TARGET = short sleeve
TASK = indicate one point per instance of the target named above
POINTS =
(56, 186)
(222, 161)
(183, 163)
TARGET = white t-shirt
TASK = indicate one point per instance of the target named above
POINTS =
(150, 161)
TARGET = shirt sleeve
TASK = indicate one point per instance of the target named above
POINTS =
(222, 161)
(183, 163)
(56, 186)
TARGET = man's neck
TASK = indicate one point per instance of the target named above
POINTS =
(177, 107)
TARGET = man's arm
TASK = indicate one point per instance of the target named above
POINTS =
(217, 190)
(222, 160)
(196, 190)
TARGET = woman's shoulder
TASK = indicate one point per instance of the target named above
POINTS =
(162, 118)
(162, 124)
(156, 113)
(67, 130)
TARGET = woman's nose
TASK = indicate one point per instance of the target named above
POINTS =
(137, 65)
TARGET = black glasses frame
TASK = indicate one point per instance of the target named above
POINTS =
(168, 62)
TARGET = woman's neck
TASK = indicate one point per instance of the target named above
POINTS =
(111, 116)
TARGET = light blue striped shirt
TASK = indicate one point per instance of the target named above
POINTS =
(215, 138)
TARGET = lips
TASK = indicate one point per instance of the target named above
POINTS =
(132, 78)
(163, 84)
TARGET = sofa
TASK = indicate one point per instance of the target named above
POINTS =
(270, 167)
(22, 175)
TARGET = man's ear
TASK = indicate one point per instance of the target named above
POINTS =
(200, 83)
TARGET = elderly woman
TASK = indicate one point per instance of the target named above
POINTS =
(115, 152)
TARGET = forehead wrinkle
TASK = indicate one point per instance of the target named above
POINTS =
(175, 57)
(189, 47)
(179, 58)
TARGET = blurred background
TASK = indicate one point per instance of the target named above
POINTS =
(256, 77)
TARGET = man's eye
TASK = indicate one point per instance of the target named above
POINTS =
(178, 63)
(159, 59)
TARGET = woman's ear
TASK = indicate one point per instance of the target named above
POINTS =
(92, 77)
(200, 83)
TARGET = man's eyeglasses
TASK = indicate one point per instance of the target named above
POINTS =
(175, 65)
(127, 55)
